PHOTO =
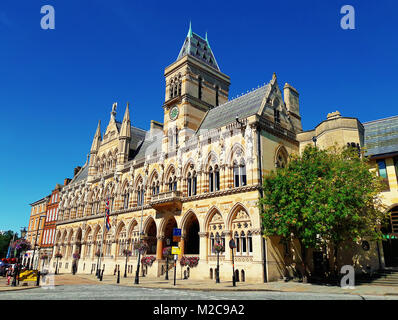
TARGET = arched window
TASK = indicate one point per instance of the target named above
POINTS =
(237, 242)
(126, 198)
(212, 243)
(189, 184)
(281, 158)
(139, 196)
(243, 242)
(211, 180)
(216, 178)
(200, 87)
(250, 242)
(239, 172)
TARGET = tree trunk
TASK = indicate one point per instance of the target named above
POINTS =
(335, 254)
(304, 262)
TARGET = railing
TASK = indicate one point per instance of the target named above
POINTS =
(166, 195)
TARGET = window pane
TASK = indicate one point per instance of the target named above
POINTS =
(217, 180)
(382, 168)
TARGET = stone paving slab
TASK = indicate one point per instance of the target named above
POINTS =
(209, 285)
(279, 286)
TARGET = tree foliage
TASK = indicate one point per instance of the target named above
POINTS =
(323, 197)
(5, 239)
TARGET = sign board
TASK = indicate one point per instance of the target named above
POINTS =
(176, 235)
(175, 250)
(232, 244)
(28, 275)
(176, 257)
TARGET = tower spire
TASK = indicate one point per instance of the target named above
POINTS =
(97, 137)
(125, 130)
(189, 35)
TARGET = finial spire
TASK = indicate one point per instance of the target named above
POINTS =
(113, 112)
(190, 30)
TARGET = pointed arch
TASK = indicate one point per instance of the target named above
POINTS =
(234, 210)
(281, 157)
(185, 219)
(211, 159)
(209, 216)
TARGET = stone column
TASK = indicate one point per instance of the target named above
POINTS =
(257, 245)
(182, 246)
(159, 248)
(228, 253)
(203, 236)
(114, 249)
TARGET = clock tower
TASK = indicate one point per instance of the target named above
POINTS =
(194, 85)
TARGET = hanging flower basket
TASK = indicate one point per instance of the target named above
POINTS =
(21, 244)
(44, 257)
(218, 247)
(76, 256)
(13, 260)
(191, 262)
(183, 261)
(58, 255)
(126, 252)
(142, 247)
(148, 261)
(167, 252)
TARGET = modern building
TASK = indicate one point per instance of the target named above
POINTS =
(381, 140)
(199, 171)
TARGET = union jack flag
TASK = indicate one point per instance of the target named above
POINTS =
(108, 224)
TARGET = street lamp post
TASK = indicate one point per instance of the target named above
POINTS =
(127, 253)
(314, 139)
(137, 281)
(218, 260)
(232, 246)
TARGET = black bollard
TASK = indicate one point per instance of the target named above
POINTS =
(118, 276)
(38, 278)
(101, 274)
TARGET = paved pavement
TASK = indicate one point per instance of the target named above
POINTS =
(116, 292)
(72, 287)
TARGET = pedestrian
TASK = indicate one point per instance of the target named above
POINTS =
(9, 274)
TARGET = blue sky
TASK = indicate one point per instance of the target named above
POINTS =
(56, 84)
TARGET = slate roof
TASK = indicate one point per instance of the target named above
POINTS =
(150, 146)
(243, 106)
(199, 48)
(381, 136)
(81, 175)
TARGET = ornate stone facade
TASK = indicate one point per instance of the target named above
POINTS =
(200, 171)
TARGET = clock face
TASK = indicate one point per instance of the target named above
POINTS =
(174, 113)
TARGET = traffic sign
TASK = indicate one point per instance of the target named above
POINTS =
(175, 250)
(176, 235)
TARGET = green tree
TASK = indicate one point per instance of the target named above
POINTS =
(322, 197)
(5, 239)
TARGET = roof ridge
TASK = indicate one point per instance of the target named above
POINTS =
(241, 96)
(382, 119)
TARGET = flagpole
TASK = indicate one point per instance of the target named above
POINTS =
(100, 250)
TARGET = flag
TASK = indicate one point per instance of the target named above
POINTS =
(8, 252)
(108, 224)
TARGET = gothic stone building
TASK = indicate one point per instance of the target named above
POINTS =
(200, 171)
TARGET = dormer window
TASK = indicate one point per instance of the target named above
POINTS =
(200, 88)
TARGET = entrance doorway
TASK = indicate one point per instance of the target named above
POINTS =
(390, 241)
